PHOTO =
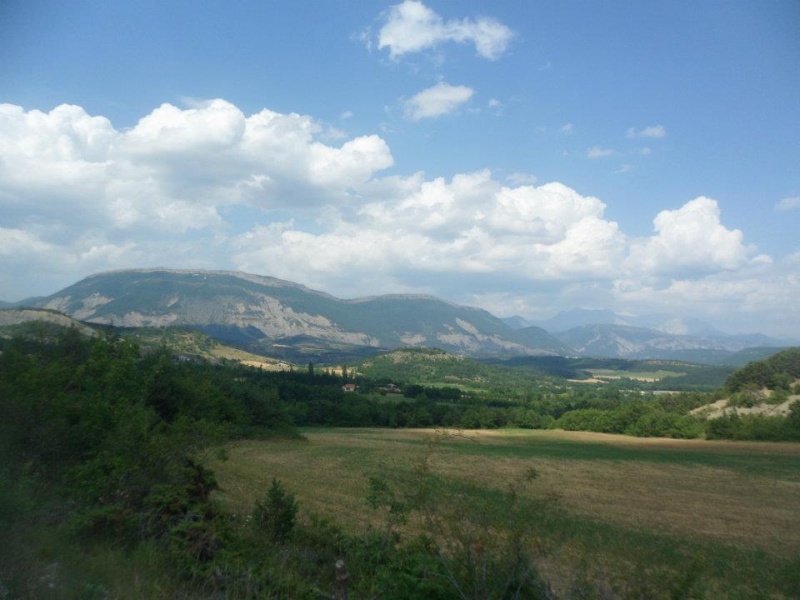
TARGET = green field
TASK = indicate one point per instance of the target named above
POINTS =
(640, 375)
(630, 517)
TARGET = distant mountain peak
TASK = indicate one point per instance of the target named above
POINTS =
(629, 341)
(666, 323)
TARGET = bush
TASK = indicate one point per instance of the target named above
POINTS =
(276, 515)
(747, 398)
(778, 396)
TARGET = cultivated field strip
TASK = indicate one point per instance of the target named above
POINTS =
(745, 494)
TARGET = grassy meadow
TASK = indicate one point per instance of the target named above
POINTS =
(628, 515)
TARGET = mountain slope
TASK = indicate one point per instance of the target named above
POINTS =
(15, 320)
(779, 370)
(625, 341)
(264, 311)
(577, 317)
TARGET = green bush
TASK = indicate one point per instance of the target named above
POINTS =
(756, 427)
(778, 396)
(275, 516)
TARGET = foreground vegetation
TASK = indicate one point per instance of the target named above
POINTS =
(107, 487)
(607, 515)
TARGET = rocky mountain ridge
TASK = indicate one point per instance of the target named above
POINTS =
(626, 341)
(288, 320)
(266, 312)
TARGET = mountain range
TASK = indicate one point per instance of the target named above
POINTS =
(278, 317)
(284, 319)
(576, 317)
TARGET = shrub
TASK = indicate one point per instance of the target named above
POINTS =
(276, 515)
(778, 396)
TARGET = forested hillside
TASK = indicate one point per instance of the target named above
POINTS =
(778, 372)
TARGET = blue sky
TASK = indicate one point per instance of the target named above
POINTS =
(525, 157)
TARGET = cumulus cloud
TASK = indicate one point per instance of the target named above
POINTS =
(175, 166)
(653, 131)
(208, 186)
(690, 240)
(470, 225)
(70, 182)
(567, 128)
(413, 27)
(436, 101)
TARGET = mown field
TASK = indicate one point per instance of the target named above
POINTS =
(650, 376)
(629, 515)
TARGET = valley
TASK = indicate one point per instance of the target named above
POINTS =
(399, 300)
(191, 464)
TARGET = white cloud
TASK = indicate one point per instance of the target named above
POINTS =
(757, 297)
(67, 177)
(413, 27)
(690, 240)
(211, 187)
(567, 128)
(436, 101)
(17, 242)
(210, 127)
(599, 152)
(470, 226)
(789, 203)
(544, 213)
(653, 131)
(175, 169)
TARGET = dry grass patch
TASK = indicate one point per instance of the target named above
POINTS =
(613, 439)
(328, 474)
(714, 503)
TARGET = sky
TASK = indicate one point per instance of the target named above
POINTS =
(522, 157)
